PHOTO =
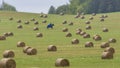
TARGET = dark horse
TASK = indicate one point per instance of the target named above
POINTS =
(50, 25)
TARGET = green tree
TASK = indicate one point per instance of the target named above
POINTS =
(7, 7)
(52, 10)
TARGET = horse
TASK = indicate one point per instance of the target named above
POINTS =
(50, 26)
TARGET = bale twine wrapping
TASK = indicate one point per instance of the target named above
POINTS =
(31, 51)
(65, 30)
(104, 44)
(35, 28)
(25, 49)
(8, 54)
(112, 40)
(105, 30)
(2, 38)
(21, 44)
(52, 48)
(110, 49)
(68, 34)
(39, 35)
(107, 55)
(7, 63)
(86, 36)
(61, 62)
(75, 41)
(88, 27)
(89, 44)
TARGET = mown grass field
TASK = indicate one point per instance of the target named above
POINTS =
(78, 55)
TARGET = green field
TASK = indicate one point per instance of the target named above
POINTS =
(78, 55)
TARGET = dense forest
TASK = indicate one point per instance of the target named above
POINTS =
(87, 6)
(7, 7)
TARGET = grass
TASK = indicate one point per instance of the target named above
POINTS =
(78, 55)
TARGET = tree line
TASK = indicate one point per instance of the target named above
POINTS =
(7, 7)
(87, 6)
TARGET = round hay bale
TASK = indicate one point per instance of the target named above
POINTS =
(6, 34)
(10, 34)
(77, 16)
(19, 21)
(71, 23)
(112, 40)
(68, 34)
(52, 48)
(64, 22)
(61, 62)
(110, 49)
(2, 38)
(33, 19)
(61, 13)
(31, 51)
(39, 35)
(44, 21)
(25, 49)
(104, 44)
(88, 27)
(21, 44)
(105, 30)
(107, 55)
(8, 54)
(89, 44)
(102, 19)
(82, 17)
(78, 29)
(45, 16)
(36, 23)
(91, 18)
(97, 37)
(11, 18)
(35, 28)
(102, 16)
(7, 63)
(105, 16)
(78, 32)
(27, 22)
(65, 30)
(93, 14)
(86, 36)
(87, 22)
(82, 33)
(41, 15)
(75, 41)
(19, 26)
